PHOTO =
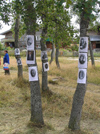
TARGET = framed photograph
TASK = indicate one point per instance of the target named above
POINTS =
(82, 63)
(17, 51)
(33, 73)
(83, 47)
(44, 55)
(30, 42)
(19, 62)
(30, 57)
(82, 76)
(45, 66)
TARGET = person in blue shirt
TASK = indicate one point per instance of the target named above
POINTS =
(6, 60)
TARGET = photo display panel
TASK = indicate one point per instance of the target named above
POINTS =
(82, 76)
(82, 63)
(17, 51)
(83, 47)
(19, 62)
(45, 66)
(33, 73)
(44, 55)
(30, 59)
(30, 42)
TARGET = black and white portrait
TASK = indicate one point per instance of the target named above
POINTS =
(19, 61)
(82, 60)
(83, 44)
(17, 51)
(82, 76)
(44, 55)
(30, 42)
(45, 66)
(33, 73)
(30, 57)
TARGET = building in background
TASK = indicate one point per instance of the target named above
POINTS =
(95, 38)
(10, 41)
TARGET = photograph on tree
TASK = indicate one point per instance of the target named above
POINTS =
(30, 57)
(45, 66)
(33, 73)
(82, 60)
(83, 44)
(19, 61)
(44, 55)
(30, 42)
(82, 76)
(17, 51)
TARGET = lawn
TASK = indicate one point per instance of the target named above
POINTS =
(15, 99)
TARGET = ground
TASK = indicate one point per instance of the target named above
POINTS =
(15, 101)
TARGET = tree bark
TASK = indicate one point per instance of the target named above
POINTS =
(44, 74)
(56, 58)
(36, 104)
(91, 54)
(20, 69)
(78, 99)
(52, 53)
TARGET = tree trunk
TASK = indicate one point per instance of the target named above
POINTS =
(91, 54)
(20, 69)
(36, 104)
(56, 58)
(78, 99)
(44, 74)
(52, 53)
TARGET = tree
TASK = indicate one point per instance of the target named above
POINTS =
(20, 70)
(29, 18)
(84, 8)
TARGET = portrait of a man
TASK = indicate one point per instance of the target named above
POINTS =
(82, 59)
(44, 55)
(82, 76)
(17, 51)
(45, 66)
(82, 63)
(33, 73)
(29, 41)
(19, 61)
(30, 55)
(83, 44)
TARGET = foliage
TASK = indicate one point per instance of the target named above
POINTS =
(4, 11)
(55, 18)
(74, 47)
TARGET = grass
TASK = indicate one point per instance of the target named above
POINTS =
(56, 105)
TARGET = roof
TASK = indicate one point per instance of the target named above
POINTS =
(94, 37)
(6, 32)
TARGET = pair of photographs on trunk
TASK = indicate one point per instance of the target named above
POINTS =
(82, 63)
(30, 59)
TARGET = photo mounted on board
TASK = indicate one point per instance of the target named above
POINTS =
(19, 62)
(17, 51)
(33, 73)
(45, 66)
(30, 57)
(30, 42)
(82, 76)
(44, 55)
(82, 63)
(83, 47)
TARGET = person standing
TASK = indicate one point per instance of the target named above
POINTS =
(6, 62)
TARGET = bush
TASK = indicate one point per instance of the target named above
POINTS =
(74, 48)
